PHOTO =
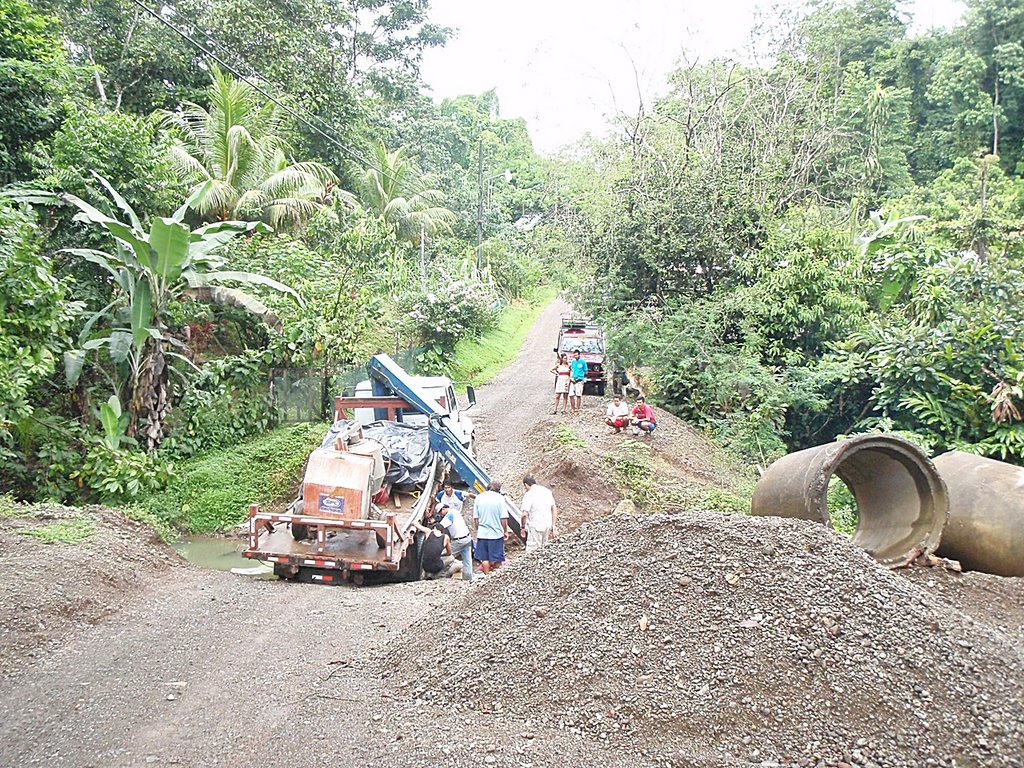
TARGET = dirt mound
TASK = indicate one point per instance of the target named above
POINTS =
(710, 639)
(52, 588)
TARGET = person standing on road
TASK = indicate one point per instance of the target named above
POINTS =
(540, 514)
(491, 517)
(577, 380)
(562, 372)
(643, 418)
(461, 542)
(617, 414)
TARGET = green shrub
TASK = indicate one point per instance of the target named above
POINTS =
(213, 491)
(115, 475)
(229, 401)
(634, 472)
(842, 507)
(439, 320)
(566, 435)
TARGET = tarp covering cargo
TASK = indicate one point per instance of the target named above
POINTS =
(406, 451)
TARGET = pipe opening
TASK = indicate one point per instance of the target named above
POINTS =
(880, 490)
(895, 499)
(843, 513)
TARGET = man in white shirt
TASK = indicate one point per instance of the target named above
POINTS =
(617, 414)
(450, 498)
(540, 514)
(461, 542)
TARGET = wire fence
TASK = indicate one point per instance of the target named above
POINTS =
(307, 394)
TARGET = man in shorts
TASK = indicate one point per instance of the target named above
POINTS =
(643, 420)
(577, 379)
(491, 517)
(540, 514)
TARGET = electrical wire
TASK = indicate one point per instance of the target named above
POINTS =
(242, 63)
(351, 154)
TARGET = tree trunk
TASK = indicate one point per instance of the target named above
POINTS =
(150, 404)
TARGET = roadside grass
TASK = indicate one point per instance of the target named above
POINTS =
(481, 359)
(566, 435)
(213, 492)
(73, 531)
(10, 508)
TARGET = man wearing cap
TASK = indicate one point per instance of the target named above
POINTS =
(643, 418)
(617, 414)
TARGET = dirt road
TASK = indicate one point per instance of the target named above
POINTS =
(205, 668)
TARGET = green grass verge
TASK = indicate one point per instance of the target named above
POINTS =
(566, 435)
(213, 491)
(481, 359)
(73, 531)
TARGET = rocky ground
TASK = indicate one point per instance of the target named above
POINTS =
(680, 639)
(703, 639)
(53, 591)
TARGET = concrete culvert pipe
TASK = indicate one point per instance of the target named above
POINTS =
(985, 531)
(901, 499)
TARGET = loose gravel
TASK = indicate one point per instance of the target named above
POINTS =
(706, 639)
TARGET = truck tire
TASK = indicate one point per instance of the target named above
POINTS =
(299, 531)
(600, 389)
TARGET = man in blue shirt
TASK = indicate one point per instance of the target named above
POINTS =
(491, 517)
(577, 379)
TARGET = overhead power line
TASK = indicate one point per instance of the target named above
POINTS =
(351, 154)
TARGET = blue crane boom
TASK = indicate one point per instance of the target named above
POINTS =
(383, 370)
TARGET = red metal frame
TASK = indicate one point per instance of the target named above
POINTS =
(395, 542)
(393, 405)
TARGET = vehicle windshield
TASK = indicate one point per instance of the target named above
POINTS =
(588, 346)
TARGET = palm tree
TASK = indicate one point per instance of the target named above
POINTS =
(396, 191)
(237, 146)
(152, 266)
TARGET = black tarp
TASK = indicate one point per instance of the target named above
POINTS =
(407, 452)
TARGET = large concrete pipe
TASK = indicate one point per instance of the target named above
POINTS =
(901, 499)
(985, 531)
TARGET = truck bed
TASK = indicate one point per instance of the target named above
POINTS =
(340, 550)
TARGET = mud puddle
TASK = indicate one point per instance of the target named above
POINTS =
(220, 554)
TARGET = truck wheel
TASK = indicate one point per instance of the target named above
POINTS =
(299, 531)
(600, 389)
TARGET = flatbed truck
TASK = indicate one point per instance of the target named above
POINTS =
(374, 538)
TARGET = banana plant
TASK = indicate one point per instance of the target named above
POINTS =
(152, 266)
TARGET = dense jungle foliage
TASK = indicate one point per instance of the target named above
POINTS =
(828, 243)
(821, 239)
(185, 261)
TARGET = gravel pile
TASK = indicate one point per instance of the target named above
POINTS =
(748, 640)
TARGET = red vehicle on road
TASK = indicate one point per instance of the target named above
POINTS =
(583, 335)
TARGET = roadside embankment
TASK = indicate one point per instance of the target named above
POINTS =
(213, 491)
(65, 568)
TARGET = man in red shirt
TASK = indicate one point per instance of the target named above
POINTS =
(643, 418)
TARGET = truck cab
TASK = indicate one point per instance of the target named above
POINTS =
(586, 337)
(441, 390)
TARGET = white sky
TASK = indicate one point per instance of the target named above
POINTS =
(565, 65)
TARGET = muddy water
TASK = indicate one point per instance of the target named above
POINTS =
(217, 553)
